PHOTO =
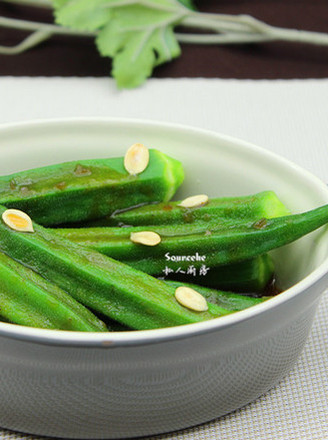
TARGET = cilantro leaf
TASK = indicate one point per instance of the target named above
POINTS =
(138, 39)
(188, 3)
(138, 35)
(86, 15)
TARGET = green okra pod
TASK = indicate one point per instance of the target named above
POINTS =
(89, 189)
(28, 299)
(132, 297)
(233, 243)
(229, 301)
(251, 275)
(109, 287)
(264, 204)
(214, 245)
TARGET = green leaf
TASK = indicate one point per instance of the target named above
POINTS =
(138, 35)
(188, 3)
(86, 15)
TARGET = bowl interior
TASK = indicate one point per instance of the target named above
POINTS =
(215, 165)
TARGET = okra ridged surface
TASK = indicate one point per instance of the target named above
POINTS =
(251, 275)
(28, 299)
(223, 244)
(88, 189)
(254, 276)
(229, 301)
(132, 297)
(114, 289)
(264, 204)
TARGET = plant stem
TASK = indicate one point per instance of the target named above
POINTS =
(213, 23)
(284, 34)
(40, 32)
(222, 23)
(25, 25)
(226, 38)
(32, 40)
(228, 29)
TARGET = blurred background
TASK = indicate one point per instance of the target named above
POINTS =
(71, 56)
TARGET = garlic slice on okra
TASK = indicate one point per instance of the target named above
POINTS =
(17, 220)
(194, 201)
(191, 299)
(136, 159)
(147, 238)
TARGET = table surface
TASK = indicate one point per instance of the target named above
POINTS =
(286, 117)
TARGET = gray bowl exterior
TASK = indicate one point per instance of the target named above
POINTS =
(150, 388)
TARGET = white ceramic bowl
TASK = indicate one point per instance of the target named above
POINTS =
(78, 385)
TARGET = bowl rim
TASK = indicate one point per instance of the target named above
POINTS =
(143, 337)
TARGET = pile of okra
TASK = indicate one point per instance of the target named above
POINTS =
(98, 245)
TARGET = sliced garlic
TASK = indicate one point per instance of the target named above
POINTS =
(17, 220)
(191, 299)
(194, 201)
(136, 159)
(147, 238)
